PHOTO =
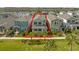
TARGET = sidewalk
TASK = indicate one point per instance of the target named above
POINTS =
(29, 38)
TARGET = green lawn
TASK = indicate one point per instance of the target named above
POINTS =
(11, 45)
(18, 45)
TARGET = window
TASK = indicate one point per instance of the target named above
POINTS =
(56, 22)
(39, 23)
(62, 29)
(77, 27)
(35, 23)
(39, 29)
(35, 29)
(77, 22)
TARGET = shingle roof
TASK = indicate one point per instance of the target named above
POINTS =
(65, 16)
(52, 17)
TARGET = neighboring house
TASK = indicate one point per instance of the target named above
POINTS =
(21, 24)
(23, 14)
(51, 17)
(57, 25)
(7, 20)
(75, 13)
(73, 22)
(39, 24)
(3, 16)
(58, 21)
(64, 15)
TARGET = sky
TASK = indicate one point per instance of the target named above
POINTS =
(39, 3)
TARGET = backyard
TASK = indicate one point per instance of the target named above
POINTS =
(37, 45)
(71, 43)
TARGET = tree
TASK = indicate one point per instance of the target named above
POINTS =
(31, 34)
(9, 32)
(50, 45)
(72, 38)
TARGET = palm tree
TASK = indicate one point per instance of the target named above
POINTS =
(72, 38)
(50, 45)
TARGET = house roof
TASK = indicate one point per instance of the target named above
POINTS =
(41, 17)
(7, 22)
(21, 19)
(52, 17)
(64, 16)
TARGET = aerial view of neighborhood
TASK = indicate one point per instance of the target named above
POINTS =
(39, 29)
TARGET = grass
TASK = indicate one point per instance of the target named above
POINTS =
(11, 45)
(18, 45)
